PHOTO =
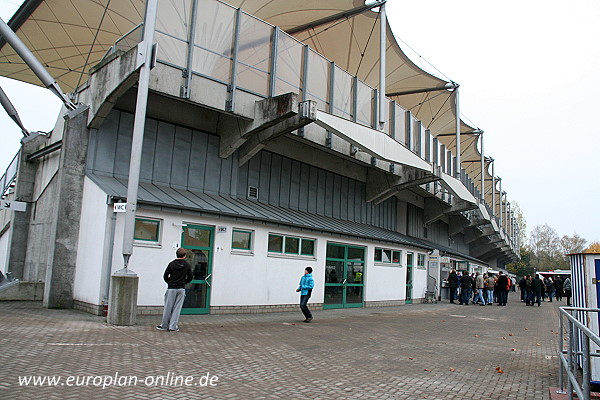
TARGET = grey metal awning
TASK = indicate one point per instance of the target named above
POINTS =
(185, 199)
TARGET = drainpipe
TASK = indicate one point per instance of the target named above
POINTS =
(109, 240)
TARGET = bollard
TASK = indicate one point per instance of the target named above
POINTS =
(122, 301)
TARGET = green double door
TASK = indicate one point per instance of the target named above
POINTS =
(344, 276)
(198, 240)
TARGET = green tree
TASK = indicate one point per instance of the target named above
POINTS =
(522, 267)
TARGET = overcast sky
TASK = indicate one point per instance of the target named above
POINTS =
(530, 77)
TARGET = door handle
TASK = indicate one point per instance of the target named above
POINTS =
(206, 279)
(343, 283)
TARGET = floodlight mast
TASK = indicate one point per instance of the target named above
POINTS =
(34, 64)
(12, 112)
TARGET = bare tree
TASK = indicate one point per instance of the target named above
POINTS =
(545, 248)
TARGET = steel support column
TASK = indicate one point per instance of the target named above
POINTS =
(138, 130)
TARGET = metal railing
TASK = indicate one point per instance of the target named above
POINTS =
(9, 176)
(578, 353)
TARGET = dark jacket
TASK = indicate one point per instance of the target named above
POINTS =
(537, 285)
(453, 280)
(466, 282)
(178, 274)
(502, 282)
(558, 284)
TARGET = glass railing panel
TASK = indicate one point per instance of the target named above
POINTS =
(130, 39)
(289, 65)
(318, 80)
(400, 116)
(215, 26)
(342, 93)
(254, 54)
(172, 31)
(364, 106)
(9, 175)
(387, 127)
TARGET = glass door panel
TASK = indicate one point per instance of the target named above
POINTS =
(198, 240)
(409, 277)
(344, 277)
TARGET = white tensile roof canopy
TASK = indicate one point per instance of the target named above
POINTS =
(71, 36)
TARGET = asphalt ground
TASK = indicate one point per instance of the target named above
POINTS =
(419, 351)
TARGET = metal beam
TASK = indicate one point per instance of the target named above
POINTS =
(448, 86)
(334, 18)
(45, 151)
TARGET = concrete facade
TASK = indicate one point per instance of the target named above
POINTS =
(319, 176)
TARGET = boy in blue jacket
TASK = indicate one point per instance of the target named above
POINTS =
(307, 284)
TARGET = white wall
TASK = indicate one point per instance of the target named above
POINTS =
(87, 286)
(258, 278)
(4, 250)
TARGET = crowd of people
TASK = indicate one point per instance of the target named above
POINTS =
(536, 290)
(487, 289)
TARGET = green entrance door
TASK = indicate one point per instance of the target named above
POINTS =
(409, 278)
(198, 239)
(344, 276)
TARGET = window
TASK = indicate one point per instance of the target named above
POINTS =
(420, 260)
(388, 256)
(291, 245)
(147, 230)
(275, 244)
(308, 247)
(241, 240)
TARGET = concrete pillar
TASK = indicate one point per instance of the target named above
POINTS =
(62, 258)
(122, 302)
(19, 226)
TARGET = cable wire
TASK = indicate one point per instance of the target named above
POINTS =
(92, 46)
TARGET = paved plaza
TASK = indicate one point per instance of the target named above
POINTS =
(420, 351)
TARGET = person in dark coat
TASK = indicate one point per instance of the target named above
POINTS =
(466, 287)
(558, 288)
(453, 284)
(177, 275)
(537, 287)
(502, 284)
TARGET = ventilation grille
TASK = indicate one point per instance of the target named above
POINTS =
(253, 192)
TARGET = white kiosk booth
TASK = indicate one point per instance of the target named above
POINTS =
(585, 276)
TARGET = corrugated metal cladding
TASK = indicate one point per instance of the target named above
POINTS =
(436, 232)
(186, 159)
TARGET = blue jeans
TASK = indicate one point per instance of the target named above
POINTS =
(479, 296)
(529, 297)
(303, 305)
(490, 296)
(465, 295)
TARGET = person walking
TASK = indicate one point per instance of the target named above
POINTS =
(537, 286)
(549, 286)
(529, 290)
(567, 288)
(502, 284)
(466, 286)
(307, 283)
(177, 275)
(558, 288)
(479, 285)
(489, 286)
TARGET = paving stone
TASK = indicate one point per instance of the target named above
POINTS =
(420, 351)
